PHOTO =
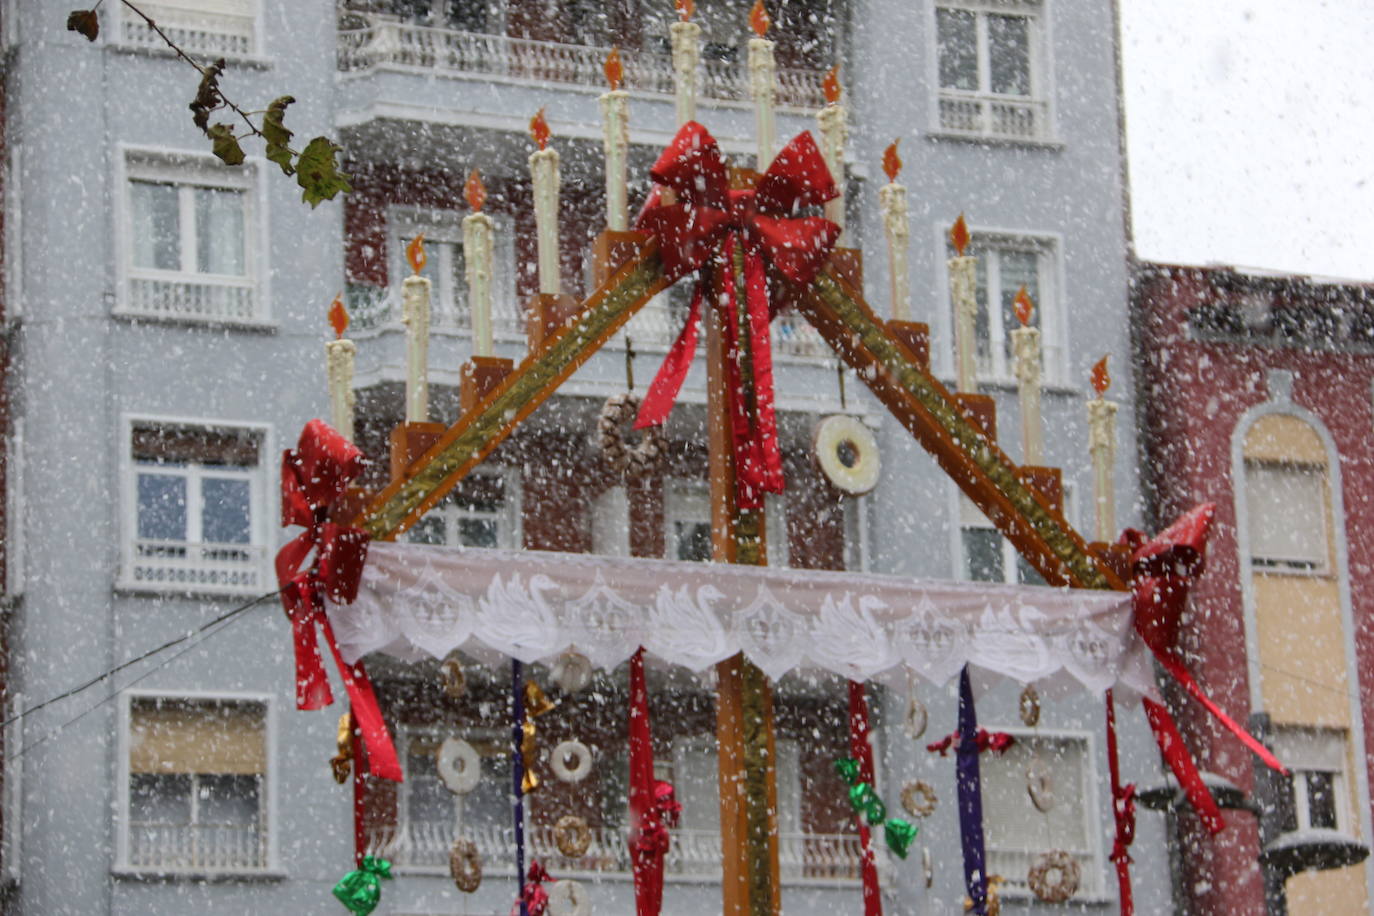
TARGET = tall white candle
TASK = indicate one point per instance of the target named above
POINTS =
(963, 292)
(615, 113)
(1025, 343)
(763, 85)
(478, 233)
(897, 227)
(339, 355)
(686, 39)
(834, 132)
(544, 171)
(415, 293)
(1102, 447)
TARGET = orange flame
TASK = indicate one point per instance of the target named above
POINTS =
(892, 163)
(614, 69)
(415, 253)
(958, 235)
(1100, 378)
(539, 129)
(338, 316)
(475, 191)
(685, 8)
(758, 19)
(1024, 307)
(831, 85)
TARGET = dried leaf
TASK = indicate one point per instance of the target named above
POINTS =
(277, 136)
(226, 145)
(207, 97)
(317, 172)
(86, 22)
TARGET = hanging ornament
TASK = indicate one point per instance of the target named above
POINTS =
(452, 679)
(578, 753)
(459, 765)
(572, 671)
(572, 836)
(465, 865)
(569, 898)
(1054, 877)
(918, 798)
(847, 452)
(536, 705)
(647, 457)
(1040, 785)
(1030, 706)
(994, 905)
(897, 833)
(916, 718)
(927, 867)
(361, 890)
(341, 763)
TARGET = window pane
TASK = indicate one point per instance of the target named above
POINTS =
(227, 514)
(1018, 269)
(156, 225)
(1287, 506)
(427, 799)
(693, 541)
(467, 15)
(1009, 54)
(477, 532)
(157, 798)
(1027, 574)
(227, 799)
(983, 554)
(219, 231)
(428, 530)
(1321, 799)
(957, 32)
(982, 325)
(162, 507)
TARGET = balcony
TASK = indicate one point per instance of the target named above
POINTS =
(197, 848)
(384, 42)
(1002, 117)
(180, 566)
(803, 858)
(224, 301)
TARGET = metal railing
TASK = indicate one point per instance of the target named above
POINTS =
(172, 565)
(197, 847)
(424, 847)
(1002, 116)
(390, 43)
(192, 300)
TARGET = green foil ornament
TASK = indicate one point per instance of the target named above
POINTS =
(361, 890)
(848, 768)
(875, 811)
(860, 794)
(899, 835)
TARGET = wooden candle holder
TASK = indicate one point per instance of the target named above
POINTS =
(546, 315)
(409, 441)
(479, 377)
(610, 250)
(915, 336)
(1048, 482)
(981, 409)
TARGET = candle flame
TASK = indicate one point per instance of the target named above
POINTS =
(831, 85)
(1100, 378)
(758, 19)
(338, 316)
(958, 235)
(415, 253)
(892, 163)
(685, 8)
(1024, 307)
(539, 129)
(475, 191)
(615, 70)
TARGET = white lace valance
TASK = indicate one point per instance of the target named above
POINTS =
(532, 605)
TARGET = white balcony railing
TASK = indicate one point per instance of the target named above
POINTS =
(1002, 116)
(180, 565)
(197, 847)
(802, 857)
(203, 34)
(193, 300)
(655, 326)
(390, 43)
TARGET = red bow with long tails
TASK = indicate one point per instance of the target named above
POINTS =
(998, 742)
(313, 475)
(533, 895)
(709, 224)
(1163, 569)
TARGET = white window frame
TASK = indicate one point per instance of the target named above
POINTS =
(12, 837)
(449, 311)
(1310, 749)
(1091, 885)
(788, 773)
(1318, 564)
(267, 803)
(193, 27)
(435, 733)
(187, 171)
(509, 533)
(611, 522)
(15, 507)
(968, 516)
(684, 500)
(258, 544)
(1039, 102)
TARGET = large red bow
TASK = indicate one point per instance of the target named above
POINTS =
(1163, 569)
(315, 474)
(533, 895)
(711, 224)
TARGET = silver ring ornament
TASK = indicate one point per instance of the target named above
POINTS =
(568, 898)
(916, 719)
(918, 798)
(1040, 785)
(559, 761)
(459, 766)
(847, 452)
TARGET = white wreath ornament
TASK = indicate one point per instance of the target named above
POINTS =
(568, 898)
(559, 761)
(459, 766)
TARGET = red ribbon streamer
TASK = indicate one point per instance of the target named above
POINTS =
(862, 751)
(1163, 569)
(704, 227)
(314, 475)
(653, 807)
(1123, 814)
(984, 739)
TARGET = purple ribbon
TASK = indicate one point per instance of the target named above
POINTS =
(517, 769)
(971, 800)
